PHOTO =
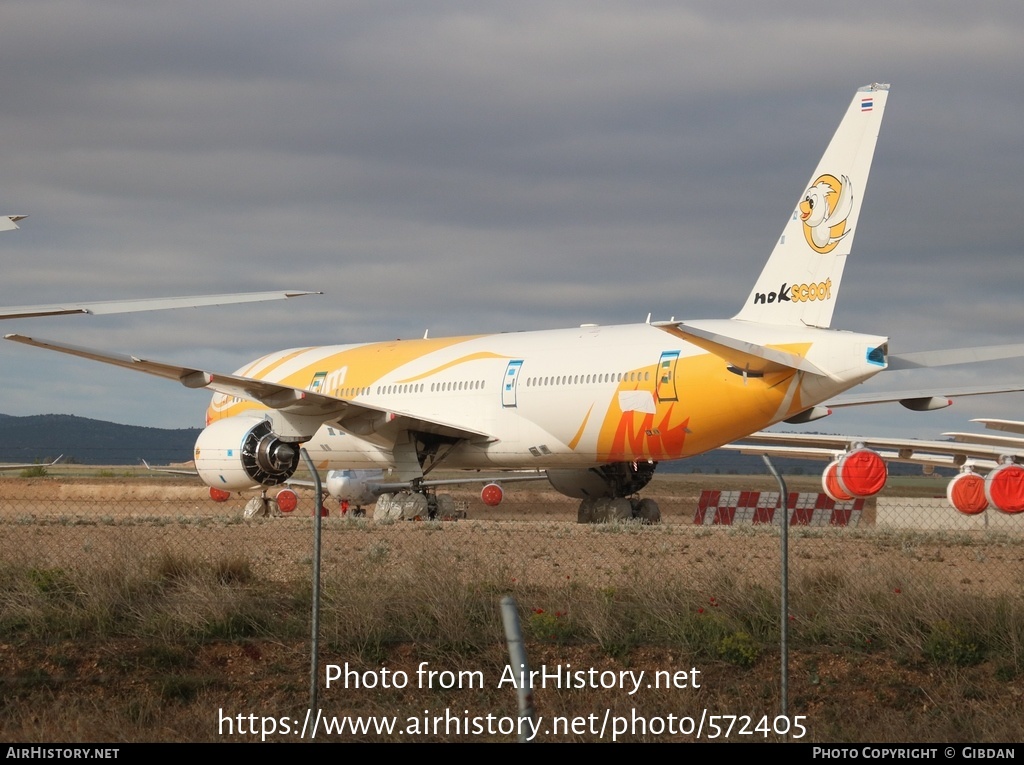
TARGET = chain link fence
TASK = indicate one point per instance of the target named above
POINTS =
(711, 525)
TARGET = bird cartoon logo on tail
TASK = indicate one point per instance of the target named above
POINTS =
(824, 211)
(800, 282)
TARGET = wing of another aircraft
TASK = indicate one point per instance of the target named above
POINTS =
(858, 461)
(923, 399)
(950, 356)
(143, 304)
(1009, 426)
(32, 465)
(912, 450)
(10, 222)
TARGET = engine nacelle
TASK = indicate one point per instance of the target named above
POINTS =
(356, 486)
(966, 493)
(926, 404)
(241, 452)
(287, 500)
(491, 495)
(617, 480)
(1004, 488)
(857, 474)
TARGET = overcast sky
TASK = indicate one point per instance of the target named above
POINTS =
(471, 167)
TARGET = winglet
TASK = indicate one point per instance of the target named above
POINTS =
(10, 222)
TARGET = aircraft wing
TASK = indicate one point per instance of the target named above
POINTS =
(142, 304)
(817, 446)
(282, 398)
(10, 222)
(1009, 426)
(428, 483)
(889, 455)
(950, 356)
(33, 465)
(923, 399)
(173, 471)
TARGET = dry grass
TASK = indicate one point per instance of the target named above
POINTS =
(154, 647)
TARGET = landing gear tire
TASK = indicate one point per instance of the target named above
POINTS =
(647, 511)
(586, 512)
(606, 510)
(261, 506)
(619, 510)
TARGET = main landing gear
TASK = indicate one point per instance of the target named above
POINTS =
(417, 506)
(605, 509)
(609, 491)
(260, 507)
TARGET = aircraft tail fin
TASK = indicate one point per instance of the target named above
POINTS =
(800, 283)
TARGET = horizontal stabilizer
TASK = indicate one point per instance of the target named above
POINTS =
(705, 338)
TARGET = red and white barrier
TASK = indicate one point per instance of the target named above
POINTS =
(726, 508)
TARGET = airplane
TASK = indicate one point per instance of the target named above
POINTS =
(857, 465)
(596, 408)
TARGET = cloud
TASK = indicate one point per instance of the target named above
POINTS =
(469, 167)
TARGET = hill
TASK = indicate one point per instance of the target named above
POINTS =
(43, 437)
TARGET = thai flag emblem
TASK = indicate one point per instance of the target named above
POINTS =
(867, 104)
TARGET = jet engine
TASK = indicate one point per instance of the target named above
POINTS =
(966, 493)
(242, 452)
(287, 500)
(858, 473)
(1004, 488)
(619, 479)
(356, 486)
(491, 495)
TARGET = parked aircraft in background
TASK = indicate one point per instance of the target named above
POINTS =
(857, 466)
(594, 407)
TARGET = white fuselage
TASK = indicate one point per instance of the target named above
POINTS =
(559, 398)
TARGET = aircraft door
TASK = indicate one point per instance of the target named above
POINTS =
(508, 384)
(667, 376)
